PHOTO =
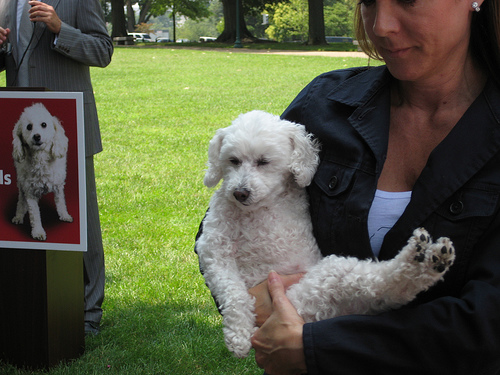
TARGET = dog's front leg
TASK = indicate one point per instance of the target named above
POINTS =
(239, 320)
(235, 303)
(341, 286)
(60, 201)
(21, 209)
(37, 231)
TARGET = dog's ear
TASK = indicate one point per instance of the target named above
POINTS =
(60, 141)
(214, 172)
(305, 159)
(18, 152)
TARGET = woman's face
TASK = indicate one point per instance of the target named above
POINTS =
(420, 39)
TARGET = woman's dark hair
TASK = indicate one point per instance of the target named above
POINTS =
(485, 37)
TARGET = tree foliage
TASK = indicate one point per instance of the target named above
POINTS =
(339, 16)
(193, 29)
(288, 21)
(193, 9)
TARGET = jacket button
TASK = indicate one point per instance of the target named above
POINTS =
(456, 207)
(333, 182)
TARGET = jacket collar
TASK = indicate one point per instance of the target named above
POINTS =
(369, 94)
(474, 140)
(360, 88)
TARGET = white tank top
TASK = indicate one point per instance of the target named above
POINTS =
(386, 209)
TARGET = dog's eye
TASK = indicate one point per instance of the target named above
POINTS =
(29, 127)
(234, 161)
(262, 162)
(44, 125)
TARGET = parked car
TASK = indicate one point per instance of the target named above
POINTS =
(162, 39)
(338, 39)
(141, 37)
(204, 39)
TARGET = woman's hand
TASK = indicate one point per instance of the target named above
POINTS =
(278, 343)
(263, 303)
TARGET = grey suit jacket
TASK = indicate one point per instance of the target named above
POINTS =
(65, 66)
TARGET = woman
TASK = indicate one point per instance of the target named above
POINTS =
(413, 143)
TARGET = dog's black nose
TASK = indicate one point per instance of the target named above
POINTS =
(241, 195)
(37, 138)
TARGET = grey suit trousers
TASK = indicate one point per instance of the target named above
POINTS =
(93, 259)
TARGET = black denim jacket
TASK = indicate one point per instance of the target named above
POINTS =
(453, 328)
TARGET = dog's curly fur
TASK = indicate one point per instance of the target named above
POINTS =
(258, 221)
(39, 152)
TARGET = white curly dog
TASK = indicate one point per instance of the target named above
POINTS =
(39, 151)
(258, 221)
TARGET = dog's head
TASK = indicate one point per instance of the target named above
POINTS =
(37, 130)
(258, 156)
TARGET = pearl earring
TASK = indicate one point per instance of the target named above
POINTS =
(475, 6)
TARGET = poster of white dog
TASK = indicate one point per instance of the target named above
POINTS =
(42, 168)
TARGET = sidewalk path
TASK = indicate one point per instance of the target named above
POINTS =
(312, 53)
(273, 52)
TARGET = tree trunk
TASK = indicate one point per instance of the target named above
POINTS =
(229, 33)
(118, 18)
(130, 17)
(144, 12)
(173, 25)
(316, 23)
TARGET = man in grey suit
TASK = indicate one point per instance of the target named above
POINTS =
(52, 44)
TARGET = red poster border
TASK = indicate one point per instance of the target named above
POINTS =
(68, 108)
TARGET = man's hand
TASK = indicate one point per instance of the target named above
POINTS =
(278, 343)
(41, 12)
(4, 33)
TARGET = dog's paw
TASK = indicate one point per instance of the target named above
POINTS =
(442, 254)
(238, 342)
(18, 220)
(38, 234)
(66, 217)
(438, 256)
(421, 240)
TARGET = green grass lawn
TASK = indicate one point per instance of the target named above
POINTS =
(158, 110)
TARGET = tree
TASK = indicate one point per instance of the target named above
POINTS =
(192, 30)
(144, 28)
(193, 9)
(118, 18)
(106, 8)
(130, 17)
(228, 35)
(316, 23)
(288, 21)
(339, 18)
(147, 9)
(247, 8)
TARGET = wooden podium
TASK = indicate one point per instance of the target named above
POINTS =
(42, 312)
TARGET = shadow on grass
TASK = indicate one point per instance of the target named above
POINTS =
(163, 339)
(146, 338)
